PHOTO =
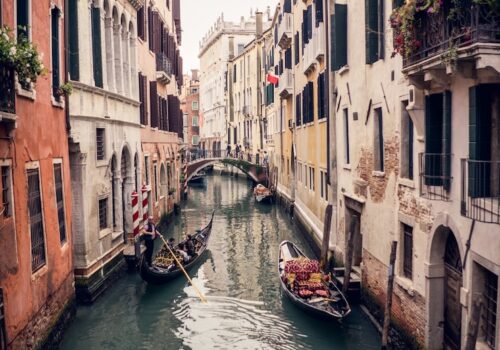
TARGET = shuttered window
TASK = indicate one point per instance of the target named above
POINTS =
(72, 23)
(489, 316)
(96, 46)
(153, 101)
(38, 258)
(339, 37)
(141, 23)
(58, 183)
(298, 109)
(23, 18)
(150, 28)
(374, 27)
(297, 48)
(308, 103)
(6, 191)
(54, 17)
(407, 251)
(100, 144)
(288, 58)
(378, 138)
(269, 94)
(322, 113)
(318, 5)
(143, 81)
(287, 6)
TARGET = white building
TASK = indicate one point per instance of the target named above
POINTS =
(105, 138)
(214, 57)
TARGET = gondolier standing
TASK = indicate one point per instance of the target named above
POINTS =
(148, 235)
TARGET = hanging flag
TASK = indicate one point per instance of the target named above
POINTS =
(273, 79)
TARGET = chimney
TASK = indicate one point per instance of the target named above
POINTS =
(231, 47)
(258, 26)
(269, 13)
(194, 74)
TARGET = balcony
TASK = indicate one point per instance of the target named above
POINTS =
(285, 31)
(136, 4)
(163, 68)
(285, 87)
(467, 35)
(247, 111)
(435, 176)
(315, 48)
(481, 190)
(8, 95)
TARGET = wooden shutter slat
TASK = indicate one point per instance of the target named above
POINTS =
(339, 37)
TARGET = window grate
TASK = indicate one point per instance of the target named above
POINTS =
(490, 314)
(408, 251)
(38, 258)
(6, 190)
(60, 201)
(103, 213)
(101, 151)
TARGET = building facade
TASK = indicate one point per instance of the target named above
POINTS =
(190, 102)
(105, 137)
(214, 57)
(160, 80)
(35, 214)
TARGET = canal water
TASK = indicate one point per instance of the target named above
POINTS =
(245, 308)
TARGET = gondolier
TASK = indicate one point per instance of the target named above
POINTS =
(148, 235)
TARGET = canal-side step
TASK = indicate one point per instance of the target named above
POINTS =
(354, 290)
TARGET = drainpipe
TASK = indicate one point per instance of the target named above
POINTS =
(66, 65)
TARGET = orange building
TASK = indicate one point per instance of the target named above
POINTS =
(35, 220)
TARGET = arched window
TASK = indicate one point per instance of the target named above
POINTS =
(117, 51)
(133, 61)
(125, 59)
(108, 33)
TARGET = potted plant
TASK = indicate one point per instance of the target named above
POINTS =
(64, 90)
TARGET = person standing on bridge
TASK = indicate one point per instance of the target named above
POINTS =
(228, 151)
(237, 151)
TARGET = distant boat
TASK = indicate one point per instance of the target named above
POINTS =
(263, 195)
(198, 178)
(164, 268)
(303, 283)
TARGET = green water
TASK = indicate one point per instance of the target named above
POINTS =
(245, 308)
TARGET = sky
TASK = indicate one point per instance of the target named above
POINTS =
(199, 15)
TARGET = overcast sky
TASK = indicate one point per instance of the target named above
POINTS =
(198, 16)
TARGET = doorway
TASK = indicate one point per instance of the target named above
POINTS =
(353, 222)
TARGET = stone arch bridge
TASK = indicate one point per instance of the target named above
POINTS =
(256, 172)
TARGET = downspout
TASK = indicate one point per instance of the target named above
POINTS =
(66, 65)
(331, 91)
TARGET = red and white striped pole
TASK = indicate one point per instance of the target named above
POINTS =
(145, 204)
(135, 213)
(185, 185)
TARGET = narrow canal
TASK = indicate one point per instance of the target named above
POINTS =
(245, 308)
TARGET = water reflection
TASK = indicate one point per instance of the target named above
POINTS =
(245, 308)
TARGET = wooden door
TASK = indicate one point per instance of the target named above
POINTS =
(453, 284)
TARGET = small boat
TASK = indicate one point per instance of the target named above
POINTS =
(263, 194)
(326, 300)
(198, 178)
(161, 272)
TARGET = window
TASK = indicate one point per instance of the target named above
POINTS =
(194, 90)
(73, 47)
(407, 251)
(194, 105)
(318, 5)
(298, 110)
(143, 87)
(322, 113)
(195, 140)
(155, 185)
(297, 48)
(374, 27)
(195, 120)
(378, 140)
(58, 182)
(146, 167)
(103, 213)
(141, 28)
(6, 191)
(324, 185)
(347, 151)
(311, 179)
(339, 37)
(308, 103)
(489, 315)
(154, 106)
(100, 144)
(55, 14)
(406, 143)
(38, 258)
(96, 45)
(23, 18)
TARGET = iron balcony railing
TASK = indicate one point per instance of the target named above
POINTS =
(481, 190)
(454, 26)
(285, 85)
(7, 90)
(163, 64)
(285, 31)
(435, 175)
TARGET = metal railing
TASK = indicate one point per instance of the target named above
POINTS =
(8, 90)
(435, 175)
(453, 26)
(480, 198)
(285, 86)
(285, 31)
(163, 64)
(315, 48)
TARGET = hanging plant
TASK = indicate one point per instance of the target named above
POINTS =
(20, 55)
(65, 89)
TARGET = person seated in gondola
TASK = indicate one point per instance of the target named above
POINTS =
(190, 246)
(181, 249)
(171, 243)
(149, 235)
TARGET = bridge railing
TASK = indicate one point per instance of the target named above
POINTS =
(209, 154)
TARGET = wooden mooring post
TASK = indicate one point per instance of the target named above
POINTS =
(326, 236)
(475, 318)
(349, 252)
(388, 299)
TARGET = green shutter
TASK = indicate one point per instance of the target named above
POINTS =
(96, 46)
(371, 24)
(72, 23)
(433, 139)
(339, 37)
(447, 98)
(474, 141)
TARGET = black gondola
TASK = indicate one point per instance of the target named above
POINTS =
(198, 178)
(158, 275)
(334, 306)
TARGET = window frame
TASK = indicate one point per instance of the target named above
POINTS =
(98, 159)
(407, 267)
(347, 146)
(99, 200)
(378, 139)
(56, 85)
(193, 104)
(59, 162)
(10, 212)
(30, 19)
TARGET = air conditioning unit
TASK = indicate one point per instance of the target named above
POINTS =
(291, 124)
(416, 98)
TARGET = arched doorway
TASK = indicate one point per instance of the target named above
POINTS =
(452, 286)
(444, 283)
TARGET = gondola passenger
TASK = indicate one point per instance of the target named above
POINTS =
(148, 235)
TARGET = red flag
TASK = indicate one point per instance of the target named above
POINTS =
(273, 79)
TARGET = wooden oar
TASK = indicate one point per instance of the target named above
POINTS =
(202, 297)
